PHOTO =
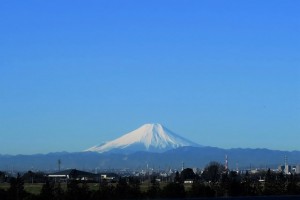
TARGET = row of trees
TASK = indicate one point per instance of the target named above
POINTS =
(213, 182)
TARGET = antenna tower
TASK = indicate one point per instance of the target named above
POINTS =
(226, 162)
(59, 163)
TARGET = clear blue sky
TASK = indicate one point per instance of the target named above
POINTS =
(223, 73)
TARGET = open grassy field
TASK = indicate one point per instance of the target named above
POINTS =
(35, 188)
(31, 188)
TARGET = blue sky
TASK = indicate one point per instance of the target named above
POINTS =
(222, 73)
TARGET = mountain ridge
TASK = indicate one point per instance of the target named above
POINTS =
(192, 157)
(149, 137)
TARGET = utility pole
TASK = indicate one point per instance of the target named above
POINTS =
(226, 163)
(286, 166)
(59, 163)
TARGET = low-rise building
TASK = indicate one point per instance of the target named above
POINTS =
(281, 168)
(189, 181)
(298, 169)
(73, 174)
(108, 177)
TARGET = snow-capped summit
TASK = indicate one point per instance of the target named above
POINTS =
(149, 137)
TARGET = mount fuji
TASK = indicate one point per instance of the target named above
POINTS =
(150, 144)
(149, 137)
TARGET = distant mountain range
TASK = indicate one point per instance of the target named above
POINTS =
(191, 156)
(150, 145)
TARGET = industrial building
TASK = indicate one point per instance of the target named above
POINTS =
(73, 174)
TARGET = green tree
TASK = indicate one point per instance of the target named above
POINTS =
(246, 185)
(174, 190)
(235, 187)
(84, 191)
(122, 189)
(187, 173)
(2, 177)
(32, 177)
(59, 193)
(16, 190)
(177, 178)
(250, 184)
(105, 191)
(154, 189)
(3, 194)
(269, 186)
(280, 184)
(76, 191)
(212, 172)
(199, 189)
(134, 188)
(47, 191)
(275, 184)
(292, 187)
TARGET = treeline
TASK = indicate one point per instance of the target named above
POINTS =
(215, 181)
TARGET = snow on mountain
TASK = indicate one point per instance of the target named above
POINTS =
(149, 137)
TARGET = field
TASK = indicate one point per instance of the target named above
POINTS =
(35, 188)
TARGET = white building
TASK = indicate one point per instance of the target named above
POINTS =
(287, 169)
(298, 169)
